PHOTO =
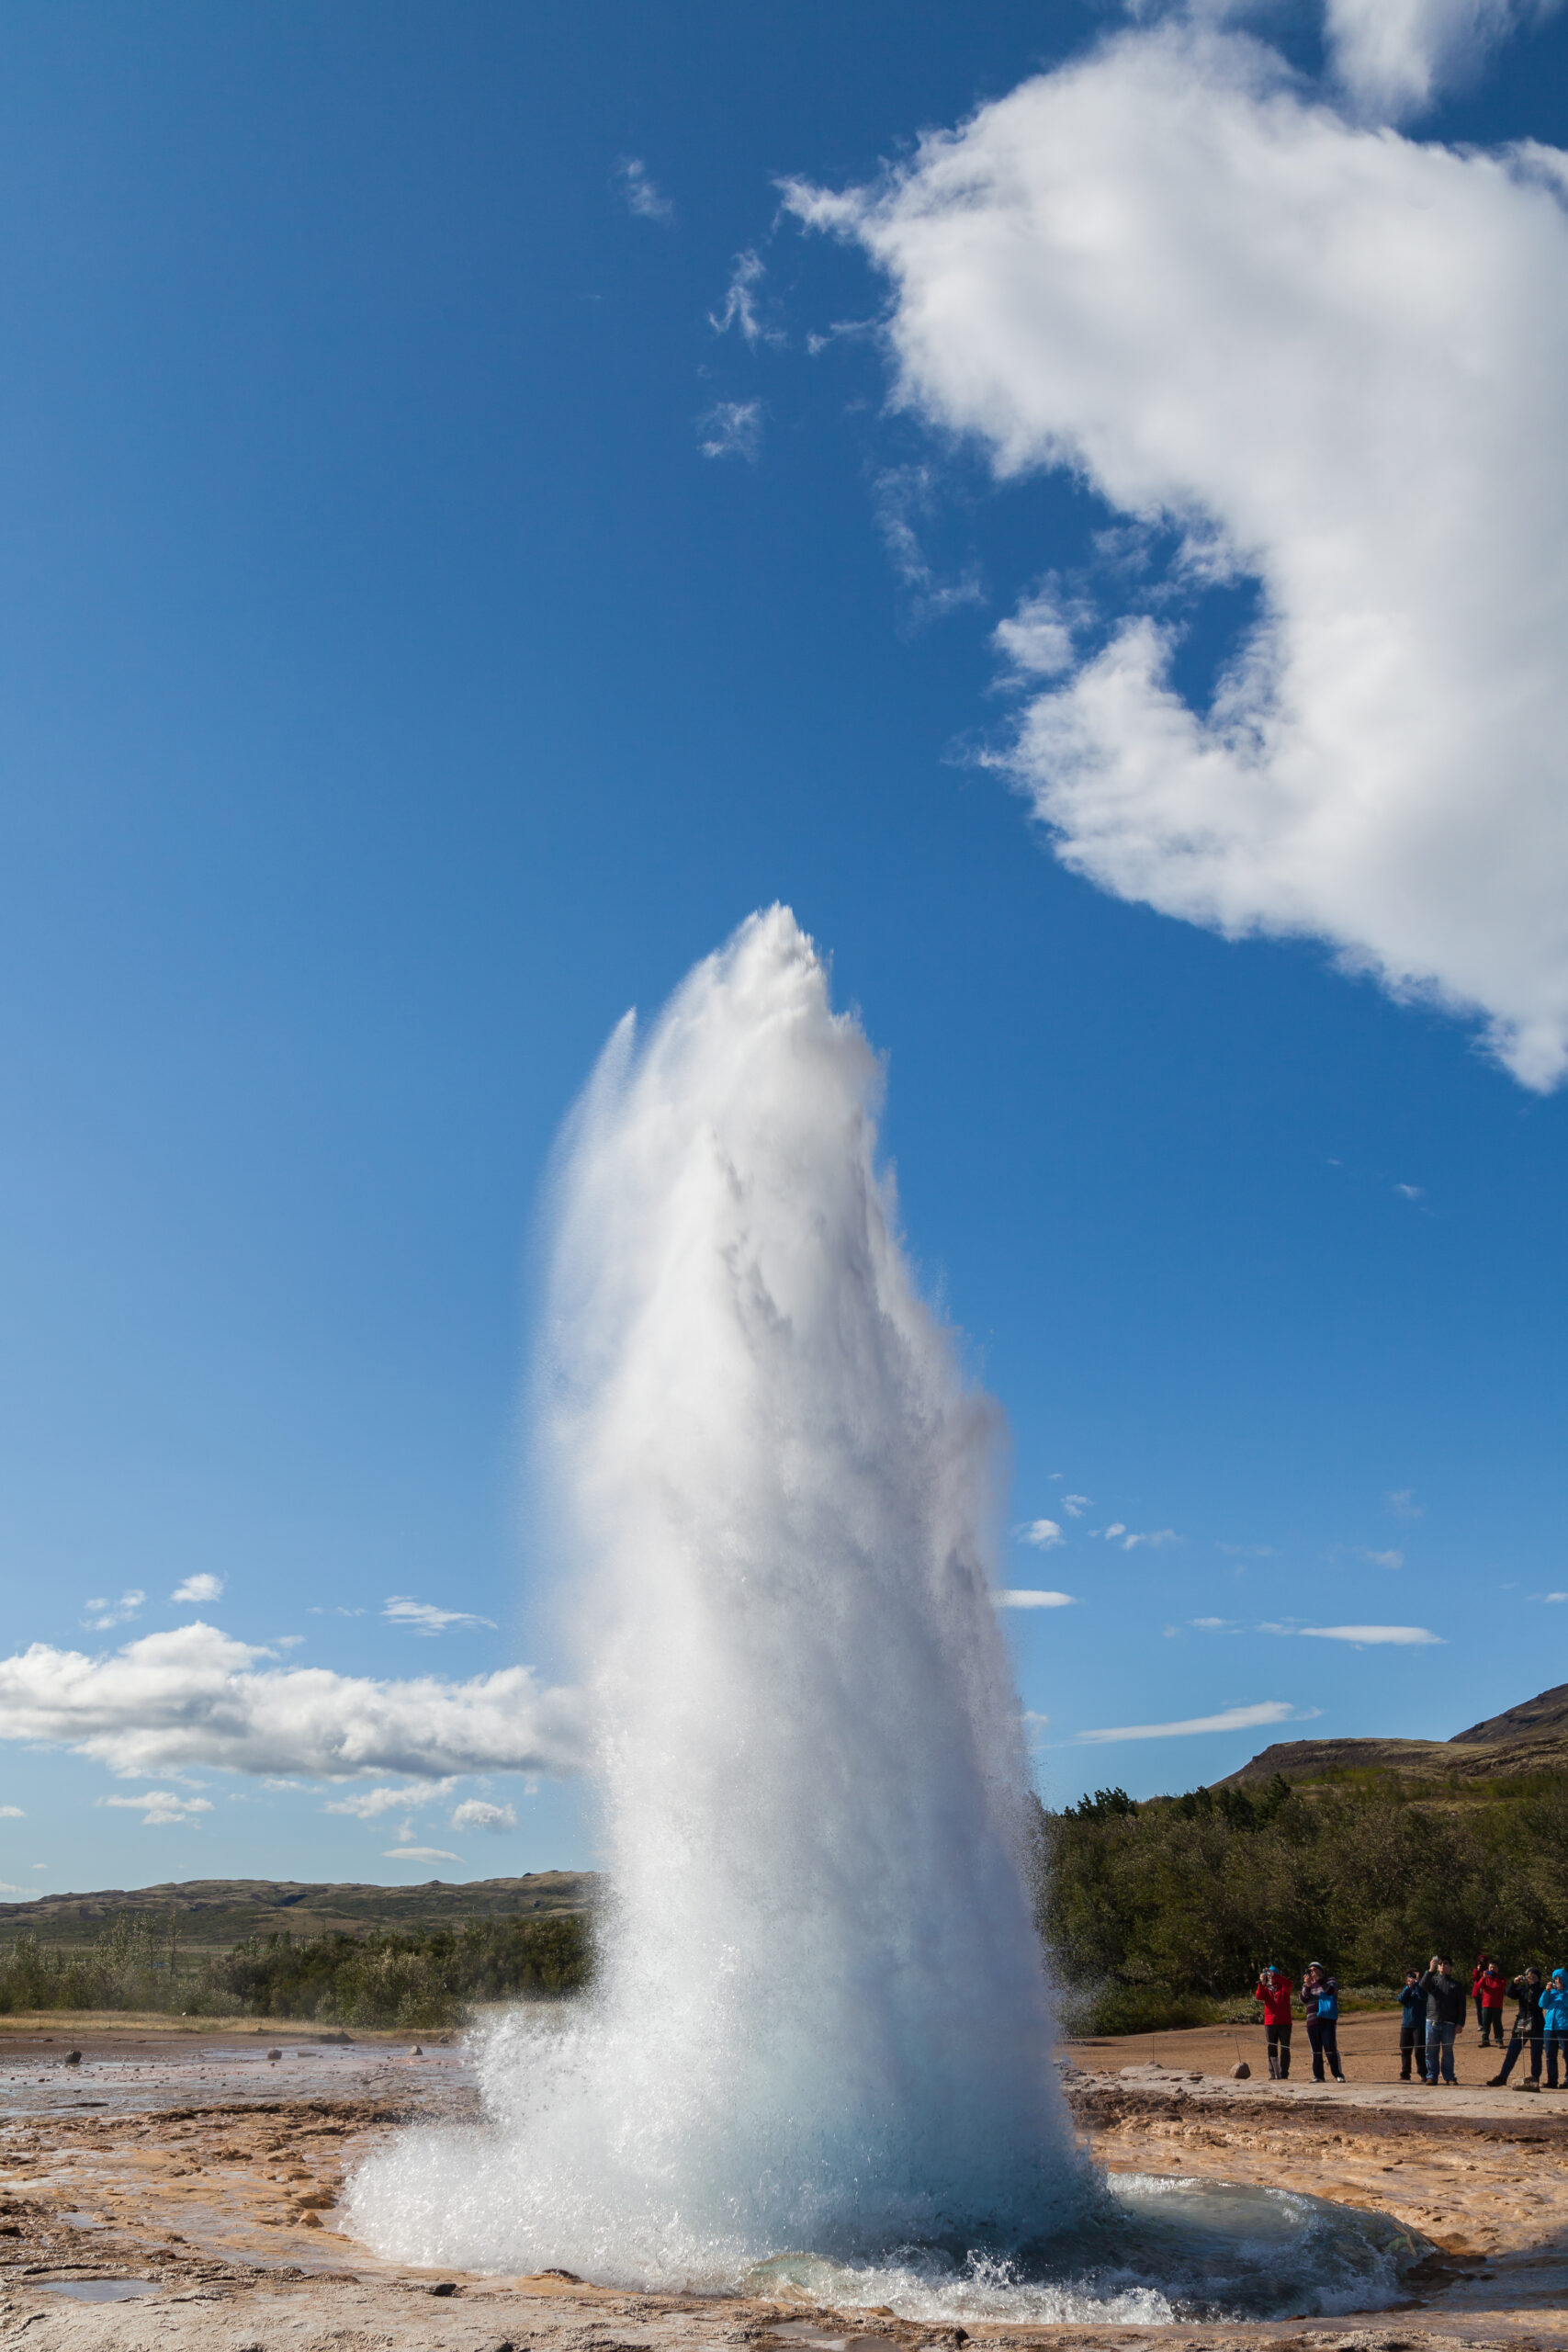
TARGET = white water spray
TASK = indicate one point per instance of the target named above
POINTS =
(821, 2019)
(818, 2052)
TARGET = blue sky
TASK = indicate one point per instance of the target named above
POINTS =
(429, 627)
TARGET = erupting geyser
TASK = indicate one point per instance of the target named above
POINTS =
(820, 2038)
(821, 2019)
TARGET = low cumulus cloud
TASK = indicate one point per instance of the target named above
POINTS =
(160, 1809)
(193, 1698)
(104, 1615)
(420, 1854)
(1267, 1711)
(198, 1589)
(477, 1813)
(1296, 351)
(1044, 1533)
(1026, 1599)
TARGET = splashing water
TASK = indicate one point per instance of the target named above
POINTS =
(820, 2022)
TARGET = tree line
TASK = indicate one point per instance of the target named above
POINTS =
(1161, 1913)
(419, 1979)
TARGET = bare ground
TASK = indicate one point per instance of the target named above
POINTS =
(194, 2164)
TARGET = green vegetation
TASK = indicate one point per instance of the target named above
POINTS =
(1161, 1914)
(423, 1979)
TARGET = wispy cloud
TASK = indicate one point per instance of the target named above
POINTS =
(104, 1614)
(1044, 1533)
(1370, 1636)
(1027, 1600)
(733, 429)
(419, 1854)
(1075, 1505)
(1402, 1502)
(1385, 1559)
(474, 1813)
(12, 1813)
(1130, 1539)
(740, 306)
(425, 1618)
(1269, 1710)
(160, 1809)
(902, 495)
(642, 195)
(1549, 1596)
(369, 1805)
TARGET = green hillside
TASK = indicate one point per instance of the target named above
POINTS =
(213, 1914)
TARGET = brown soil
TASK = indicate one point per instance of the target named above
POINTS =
(224, 2204)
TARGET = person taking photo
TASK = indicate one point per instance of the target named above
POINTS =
(1528, 2027)
(1320, 1999)
(1444, 1997)
(1274, 1992)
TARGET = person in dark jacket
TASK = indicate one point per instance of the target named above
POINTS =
(1446, 2004)
(1528, 2027)
(1274, 1992)
(1320, 1999)
(1412, 2027)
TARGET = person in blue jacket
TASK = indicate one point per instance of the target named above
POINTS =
(1413, 2027)
(1320, 1999)
(1554, 2018)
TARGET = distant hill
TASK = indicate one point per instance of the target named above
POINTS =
(214, 1914)
(1532, 1738)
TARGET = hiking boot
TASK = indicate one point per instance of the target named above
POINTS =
(1527, 2086)
(1495, 2082)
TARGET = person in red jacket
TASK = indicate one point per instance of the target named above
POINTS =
(1274, 1992)
(1486, 1990)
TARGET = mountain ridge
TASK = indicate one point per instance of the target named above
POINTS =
(1530, 1738)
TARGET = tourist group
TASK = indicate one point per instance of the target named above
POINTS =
(1432, 2013)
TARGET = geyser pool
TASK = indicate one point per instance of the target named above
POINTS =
(820, 2028)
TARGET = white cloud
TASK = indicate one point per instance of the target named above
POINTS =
(1270, 1711)
(733, 429)
(192, 1697)
(1075, 1505)
(1371, 1636)
(199, 1588)
(643, 195)
(475, 1814)
(1553, 1596)
(160, 1809)
(1323, 359)
(1211, 1625)
(1385, 1559)
(420, 1854)
(1395, 56)
(103, 1614)
(7, 1887)
(1155, 1537)
(1402, 1503)
(1044, 1533)
(1026, 1600)
(369, 1805)
(12, 1813)
(740, 301)
(425, 1618)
